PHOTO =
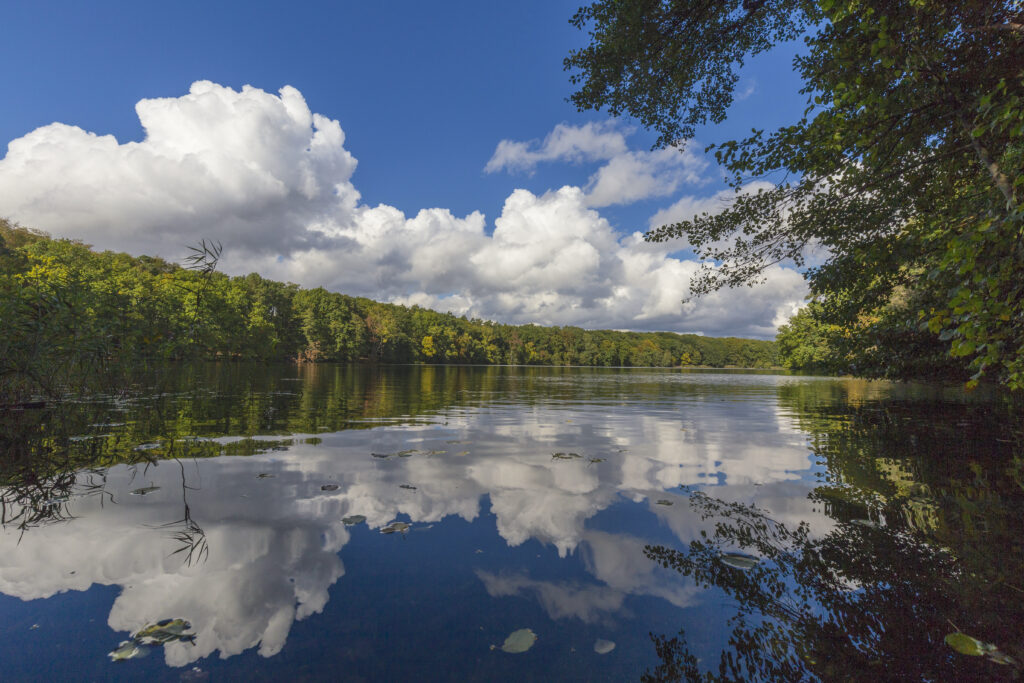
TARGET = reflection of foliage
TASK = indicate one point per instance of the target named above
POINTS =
(951, 472)
(876, 596)
(189, 535)
(860, 602)
(45, 463)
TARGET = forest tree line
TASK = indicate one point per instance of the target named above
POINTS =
(59, 298)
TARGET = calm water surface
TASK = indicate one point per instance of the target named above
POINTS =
(643, 524)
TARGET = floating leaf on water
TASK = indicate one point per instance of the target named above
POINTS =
(407, 453)
(407, 486)
(165, 631)
(395, 526)
(595, 460)
(381, 455)
(436, 452)
(264, 475)
(966, 645)
(462, 453)
(603, 647)
(519, 641)
(329, 487)
(566, 456)
(352, 520)
(145, 490)
(664, 501)
(128, 649)
(740, 560)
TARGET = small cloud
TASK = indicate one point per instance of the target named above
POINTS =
(589, 142)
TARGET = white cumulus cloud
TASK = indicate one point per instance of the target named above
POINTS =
(272, 180)
(626, 176)
(588, 142)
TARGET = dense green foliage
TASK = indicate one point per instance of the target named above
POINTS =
(68, 309)
(882, 343)
(906, 166)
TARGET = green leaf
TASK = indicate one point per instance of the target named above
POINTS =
(518, 641)
(966, 645)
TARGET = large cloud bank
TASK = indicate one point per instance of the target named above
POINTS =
(273, 181)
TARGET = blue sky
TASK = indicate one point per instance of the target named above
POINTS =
(424, 95)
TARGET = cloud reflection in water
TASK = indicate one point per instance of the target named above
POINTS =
(276, 543)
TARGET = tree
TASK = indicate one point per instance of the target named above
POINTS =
(906, 165)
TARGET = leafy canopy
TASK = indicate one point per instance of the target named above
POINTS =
(905, 167)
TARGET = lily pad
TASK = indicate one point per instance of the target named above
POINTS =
(264, 475)
(603, 647)
(329, 487)
(352, 520)
(664, 502)
(395, 526)
(407, 486)
(566, 456)
(518, 641)
(165, 631)
(966, 645)
(740, 561)
(128, 649)
(146, 490)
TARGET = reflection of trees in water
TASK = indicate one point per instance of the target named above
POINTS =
(186, 532)
(929, 501)
(56, 455)
(861, 602)
(44, 463)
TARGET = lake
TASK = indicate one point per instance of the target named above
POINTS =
(324, 522)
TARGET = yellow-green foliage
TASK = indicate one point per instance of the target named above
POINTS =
(68, 307)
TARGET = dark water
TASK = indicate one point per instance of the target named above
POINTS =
(589, 506)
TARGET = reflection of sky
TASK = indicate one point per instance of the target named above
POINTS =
(277, 544)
